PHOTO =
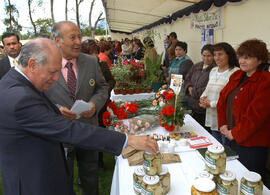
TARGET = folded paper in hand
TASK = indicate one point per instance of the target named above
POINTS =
(80, 106)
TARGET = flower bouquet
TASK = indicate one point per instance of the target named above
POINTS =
(136, 125)
(171, 115)
(118, 111)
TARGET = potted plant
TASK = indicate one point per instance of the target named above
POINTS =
(155, 73)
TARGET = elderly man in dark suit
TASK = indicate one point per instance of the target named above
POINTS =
(32, 128)
(84, 81)
(12, 47)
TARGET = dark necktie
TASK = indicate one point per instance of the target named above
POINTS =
(71, 79)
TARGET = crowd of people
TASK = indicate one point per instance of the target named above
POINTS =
(227, 93)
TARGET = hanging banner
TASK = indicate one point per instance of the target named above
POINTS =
(208, 20)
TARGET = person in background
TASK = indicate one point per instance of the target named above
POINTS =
(171, 48)
(138, 49)
(150, 51)
(90, 47)
(196, 81)
(12, 48)
(227, 63)
(166, 61)
(126, 49)
(244, 107)
(105, 50)
(2, 51)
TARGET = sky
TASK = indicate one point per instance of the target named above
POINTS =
(44, 12)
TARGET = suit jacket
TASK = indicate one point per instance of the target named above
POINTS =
(91, 86)
(32, 129)
(4, 66)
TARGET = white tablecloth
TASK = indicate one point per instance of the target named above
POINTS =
(182, 174)
(133, 97)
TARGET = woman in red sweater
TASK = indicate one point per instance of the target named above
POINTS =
(244, 107)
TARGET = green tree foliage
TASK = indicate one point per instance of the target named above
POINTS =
(11, 21)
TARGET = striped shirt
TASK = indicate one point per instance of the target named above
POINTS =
(217, 81)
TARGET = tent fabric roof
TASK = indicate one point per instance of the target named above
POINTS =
(130, 16)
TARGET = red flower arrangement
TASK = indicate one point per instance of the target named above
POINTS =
(113, 113)
(171, 113)
(135, 68)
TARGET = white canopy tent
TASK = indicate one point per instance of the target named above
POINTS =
(128, 16)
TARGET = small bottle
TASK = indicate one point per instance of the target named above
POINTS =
(152, 163)
(138, 179)
(251, 183)
(203, 186)
(151, 185)
(215, 159)
(227, 184)
(165, 179)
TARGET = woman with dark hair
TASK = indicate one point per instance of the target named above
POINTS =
(150, 51)
(138, 49)
(90, 47)
(105, 50)
(226, 61)
(181, 64)
(244, 107)
(196, 81)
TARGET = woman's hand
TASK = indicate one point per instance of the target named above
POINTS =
(204, 102)
(227, 133)
(190, 90)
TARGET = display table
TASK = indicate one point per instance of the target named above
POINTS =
(133, 97)
(182, 174)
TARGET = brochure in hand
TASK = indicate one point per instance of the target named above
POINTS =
(80, 106)
(231, 154)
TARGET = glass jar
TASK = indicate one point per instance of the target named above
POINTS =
(227, 184)
(151, 185)
(152, 163)
(203, 186)
(215, 159)
(138, 179)
(251, 184)
(165, 179)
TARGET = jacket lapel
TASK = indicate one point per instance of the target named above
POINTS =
(80, 73)
(62, 82)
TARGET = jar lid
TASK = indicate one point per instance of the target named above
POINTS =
(150, 180)
(139, 171)
(252, 176)
(204, 185)
(164, 170)
(205, 174)
(227, 176)
(217, 149)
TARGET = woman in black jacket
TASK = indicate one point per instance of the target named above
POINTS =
(196, 81)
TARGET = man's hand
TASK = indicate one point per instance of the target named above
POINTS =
(67, 113)
(190, 90)
(227, 133)
(143, 142)
(89, 113)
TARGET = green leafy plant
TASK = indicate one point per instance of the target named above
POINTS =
(153, 68)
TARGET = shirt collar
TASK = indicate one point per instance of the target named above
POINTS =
(11, 59)
(19, 71)
(64, 62)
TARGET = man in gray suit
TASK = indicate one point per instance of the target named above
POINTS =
(82, 81)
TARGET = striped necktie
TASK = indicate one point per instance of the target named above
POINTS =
(71, 80)
(15, 62)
